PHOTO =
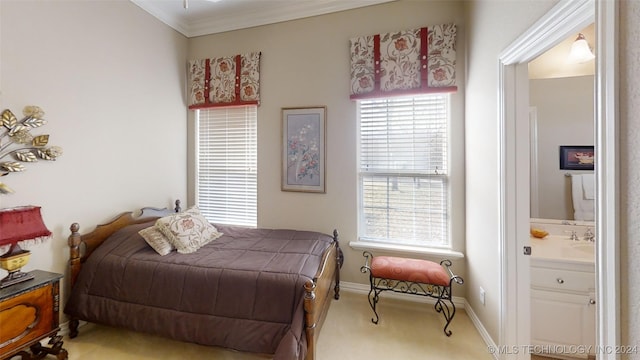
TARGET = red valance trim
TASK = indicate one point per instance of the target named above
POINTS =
(238, 72)
(227, 104)
(376, 63)
(424, 58)
(207, 76)
(417, 91)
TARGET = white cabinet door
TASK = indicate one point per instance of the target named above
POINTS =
(562, 321)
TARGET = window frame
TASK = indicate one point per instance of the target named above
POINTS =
(249, 221)
(451, 250)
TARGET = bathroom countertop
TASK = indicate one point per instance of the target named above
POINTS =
(560, 250)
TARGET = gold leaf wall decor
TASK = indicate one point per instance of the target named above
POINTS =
(17, 128)
(40, 141)
(19, 146)
(8, 119)
(34, 123)
(26, 156)
(12, 166)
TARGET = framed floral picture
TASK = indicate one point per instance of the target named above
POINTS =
(576, 157)
(303, 149)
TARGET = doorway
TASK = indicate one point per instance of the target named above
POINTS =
(566, 18)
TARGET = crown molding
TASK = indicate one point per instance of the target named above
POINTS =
(163, 14)
(243, 19)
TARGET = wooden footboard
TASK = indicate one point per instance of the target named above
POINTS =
(317, 293)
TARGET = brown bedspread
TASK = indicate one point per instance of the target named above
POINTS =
(242, 291)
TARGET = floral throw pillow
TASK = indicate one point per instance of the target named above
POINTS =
(156, 240)
(187, 231)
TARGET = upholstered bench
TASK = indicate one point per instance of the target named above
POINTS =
(412, 276)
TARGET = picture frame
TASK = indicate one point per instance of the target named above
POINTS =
(577, 157)
(304, 149)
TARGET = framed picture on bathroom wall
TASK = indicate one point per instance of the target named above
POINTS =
(576, 157)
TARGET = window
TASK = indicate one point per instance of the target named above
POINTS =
(403, 171)
(226, 176)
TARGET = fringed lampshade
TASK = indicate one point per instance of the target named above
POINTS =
(19, 225)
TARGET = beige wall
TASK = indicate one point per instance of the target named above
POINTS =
(110, 79)
(306, 63)
(565, 116)
(492, 26)
(630, 172)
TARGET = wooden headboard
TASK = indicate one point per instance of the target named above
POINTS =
(95, 238)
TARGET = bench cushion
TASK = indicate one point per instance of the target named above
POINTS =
(414, 270)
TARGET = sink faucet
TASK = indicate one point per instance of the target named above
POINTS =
(573, 236)
(589, 235)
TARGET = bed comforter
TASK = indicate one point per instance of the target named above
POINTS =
(243, 291)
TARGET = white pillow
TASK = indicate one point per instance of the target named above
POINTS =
(188, 231)
(156, 240)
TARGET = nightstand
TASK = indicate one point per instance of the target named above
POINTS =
(29, 312)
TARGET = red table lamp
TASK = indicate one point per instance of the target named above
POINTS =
(20, 224)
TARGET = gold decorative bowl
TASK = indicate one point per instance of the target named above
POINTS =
(14, 262)
(538, 233)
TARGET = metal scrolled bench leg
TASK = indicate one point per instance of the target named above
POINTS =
(412, 276)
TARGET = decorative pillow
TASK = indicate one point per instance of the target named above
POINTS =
(156, 240)
(187, 231)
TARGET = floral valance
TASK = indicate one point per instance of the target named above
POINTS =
(405, 62)
(224, 81)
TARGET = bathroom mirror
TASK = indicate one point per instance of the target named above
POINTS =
(561, 96)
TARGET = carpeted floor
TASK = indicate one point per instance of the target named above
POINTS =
(407, 331)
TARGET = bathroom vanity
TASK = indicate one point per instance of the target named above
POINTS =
(563, 310)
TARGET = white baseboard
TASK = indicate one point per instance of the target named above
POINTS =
(64, 327)
(459, 302)
(481, 329)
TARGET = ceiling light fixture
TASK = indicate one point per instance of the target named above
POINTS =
(580, 51)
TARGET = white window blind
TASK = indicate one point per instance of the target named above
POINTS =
(403, 170)
(226, 171)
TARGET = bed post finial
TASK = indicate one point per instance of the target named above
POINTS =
(74, 251)
(178, 208)
(74, 248)
(74, 268)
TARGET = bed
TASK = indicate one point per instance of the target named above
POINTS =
(253, 290)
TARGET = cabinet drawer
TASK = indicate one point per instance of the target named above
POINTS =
(25, 318)
(563, 279)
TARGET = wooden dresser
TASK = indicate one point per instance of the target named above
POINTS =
(29, 312)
